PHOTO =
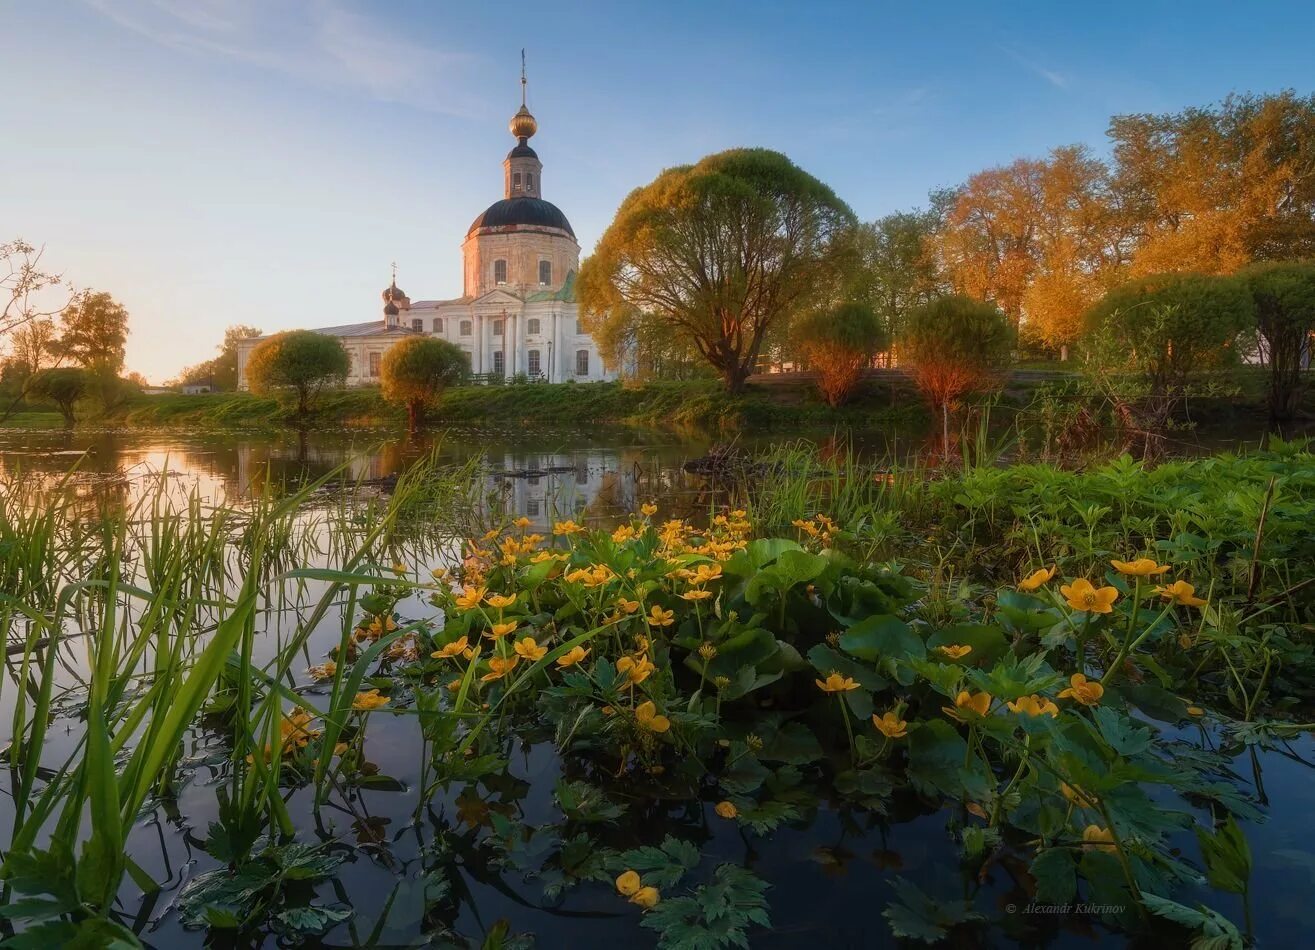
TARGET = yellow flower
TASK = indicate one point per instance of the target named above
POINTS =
(657, 617)
(454, 686)
(628, 883)
(1087, 692)
(499, 666)
(1181, 593)
(1142, 567)
(470, 597)
(647, 715)
(890, 725)
(521, 522)
(635, 669)
(399, 568)
(967, 704)
(1195, 711)
(438, 573)
(1077, 796)
(648, 509)
(835, 683)
(325, 671)
(1098, 838)
(572, 657)
(707, 650)
(955, 651)
(726, 809)
(451, 649)
(627, 606)
(369, 700)
(646, 897)
(1033, 705)
(1083, 596)
(1036, 579)
(566, 528)
(294, 730)
(529, 649)
(696, 595)
(500, 630)
(499, 601)
(623, 533)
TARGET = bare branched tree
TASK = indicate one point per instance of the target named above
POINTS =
(22, 281)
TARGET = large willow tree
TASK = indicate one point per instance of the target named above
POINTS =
(721, 254)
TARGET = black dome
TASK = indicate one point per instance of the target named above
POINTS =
(530, 212)
(522, 151)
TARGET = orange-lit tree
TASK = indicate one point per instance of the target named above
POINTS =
(415, 371)
(301, 360)
(956, 346)
(837, 344)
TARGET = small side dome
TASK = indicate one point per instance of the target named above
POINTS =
(522, 124)
(394, 297)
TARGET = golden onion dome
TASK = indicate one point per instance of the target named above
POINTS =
(522, 124)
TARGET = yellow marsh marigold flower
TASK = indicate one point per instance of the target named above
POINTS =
(521, 522)
(499, 601)
(635, 669)
(969, 705)
(707, 651)
(628, 883)
(454, 686)
(623, 533)
(1033, 705)
(890, 725)
(646, 897)
(1087, 692)
(627, 606)
(726, 809)
(1082, 595)
(648, 509)
(696, 595)
(1181, 593)
(1036, 579)
(364, 702)
(325, 671)
(657, 617)
(399, 567)
(1077, 796)
(470, 597)
(499, 666)
(529, 649)
(955, 651)
(566, 528)
(1142, 567)
(452, 649)
(1195, 711)
(647, 716)
(1098, 838)
(835, 683)
(294, 729)
(500, 630)
(572, 657)
(438, 573)
(542, 556)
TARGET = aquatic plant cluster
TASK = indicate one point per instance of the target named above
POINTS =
(1065, 665)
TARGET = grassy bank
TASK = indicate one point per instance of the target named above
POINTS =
(687, 405)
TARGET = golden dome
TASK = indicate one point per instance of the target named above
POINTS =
(522, 124)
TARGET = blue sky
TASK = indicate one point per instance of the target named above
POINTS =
(212, 162)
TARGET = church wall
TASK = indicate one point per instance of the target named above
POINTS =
(522, 249)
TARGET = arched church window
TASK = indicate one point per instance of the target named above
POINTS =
(516, 181)
(465, 328)
(499, 272)
(545, 273)
(532, 364)
(581, 362)
(529, 181)
(532, 326)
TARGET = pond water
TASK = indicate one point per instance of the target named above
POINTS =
(830, 874)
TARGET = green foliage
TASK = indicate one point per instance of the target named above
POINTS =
(415, 371)
(716, 915)
(64, 386)
(956, 346)
(838, 343)
(1284, 299)
(720, 254)
(300, 360)
(93, 332)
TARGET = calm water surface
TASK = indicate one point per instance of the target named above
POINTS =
(830, 879)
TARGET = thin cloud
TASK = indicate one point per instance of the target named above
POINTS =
(1056, 79)
(318, 42)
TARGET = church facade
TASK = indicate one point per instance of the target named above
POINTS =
(517, 314)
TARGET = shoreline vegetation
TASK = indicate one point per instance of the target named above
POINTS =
(694, 406)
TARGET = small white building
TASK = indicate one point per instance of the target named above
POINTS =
(517, 313)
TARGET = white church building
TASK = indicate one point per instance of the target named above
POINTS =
(517, 313)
